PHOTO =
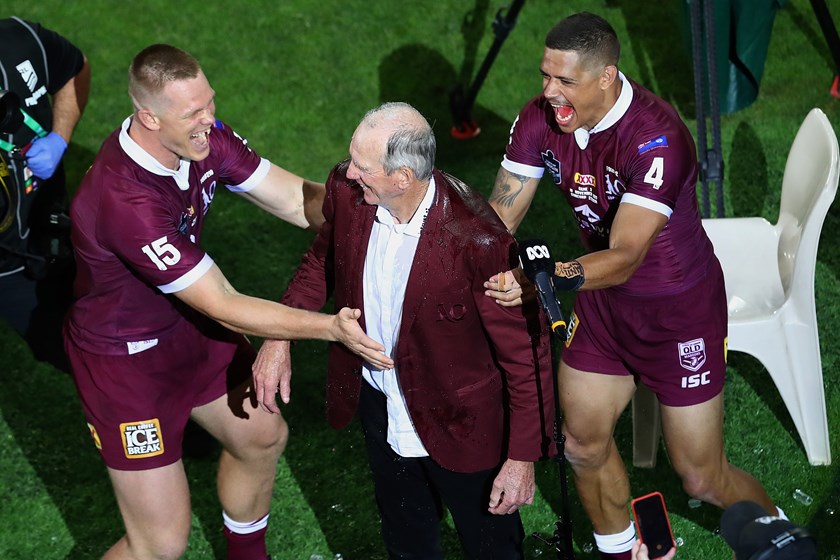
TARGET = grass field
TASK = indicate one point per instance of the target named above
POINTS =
(295, 77)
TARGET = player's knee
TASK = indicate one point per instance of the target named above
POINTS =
(164, 545)
(585, 451)
(281, 437)
(273, 441)
(171, 550)
(700, 483)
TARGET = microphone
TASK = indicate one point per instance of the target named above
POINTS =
(538, 266)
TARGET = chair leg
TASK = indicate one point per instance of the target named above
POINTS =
(805, 393)
(790, 353)
(646, 428)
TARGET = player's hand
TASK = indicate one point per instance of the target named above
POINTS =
(273, 374)
(513, 486)
(507, 287)
(43, 155)
(640, 552)
(348, 332)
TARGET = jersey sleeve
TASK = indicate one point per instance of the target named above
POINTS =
(141, 231)
(64, 59)
(523, 152)
(659, 165)
(241, 168)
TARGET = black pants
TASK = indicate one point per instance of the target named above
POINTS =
(411, 493)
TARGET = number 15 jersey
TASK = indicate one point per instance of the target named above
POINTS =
(136, 228)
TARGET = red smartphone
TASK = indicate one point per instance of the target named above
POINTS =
(652, 524)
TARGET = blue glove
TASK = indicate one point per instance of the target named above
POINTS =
(43, 155)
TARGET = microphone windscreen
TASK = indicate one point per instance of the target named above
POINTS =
(535, 257)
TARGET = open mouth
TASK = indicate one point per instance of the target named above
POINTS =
(200, 139)
(563, 114)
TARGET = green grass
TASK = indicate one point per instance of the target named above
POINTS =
(295, 77)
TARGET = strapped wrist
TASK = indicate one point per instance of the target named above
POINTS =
(568, 276)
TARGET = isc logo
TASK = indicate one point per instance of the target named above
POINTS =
(692, 381)
(537, 252)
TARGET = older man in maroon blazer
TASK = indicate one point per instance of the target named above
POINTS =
(469, 407)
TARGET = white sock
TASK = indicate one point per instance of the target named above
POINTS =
(617, 542)
(245, 528)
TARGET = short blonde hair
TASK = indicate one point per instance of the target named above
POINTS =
(154, 67)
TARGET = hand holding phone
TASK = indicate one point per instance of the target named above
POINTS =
(652, 524)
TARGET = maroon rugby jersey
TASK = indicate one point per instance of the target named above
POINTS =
(640, 153)
(136, 228)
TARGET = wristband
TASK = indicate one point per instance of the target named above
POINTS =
(568, 276)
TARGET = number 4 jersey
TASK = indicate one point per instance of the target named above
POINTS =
(136, 228)
(640, 153)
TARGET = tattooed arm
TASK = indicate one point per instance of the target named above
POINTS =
(511, 197)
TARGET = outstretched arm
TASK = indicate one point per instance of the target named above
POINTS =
(290, 198)
(633, 232)
(214, 296)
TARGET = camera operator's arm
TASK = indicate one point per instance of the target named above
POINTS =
(68, 104)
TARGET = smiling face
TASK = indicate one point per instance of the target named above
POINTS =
(185, 114)
(581, 94)
(366, 169)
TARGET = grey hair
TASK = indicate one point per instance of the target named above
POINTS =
(411, 144)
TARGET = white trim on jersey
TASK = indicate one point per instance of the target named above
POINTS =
(188, 279)
(663, 209)
(255, 179)
(522, 169)
(145, 160)
(613, 115)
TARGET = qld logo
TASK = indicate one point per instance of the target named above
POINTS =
(692, 354)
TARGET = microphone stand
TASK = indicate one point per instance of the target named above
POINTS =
(561, 540)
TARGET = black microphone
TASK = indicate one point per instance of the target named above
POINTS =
(538, 266)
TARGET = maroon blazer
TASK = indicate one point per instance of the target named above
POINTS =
(476, 376)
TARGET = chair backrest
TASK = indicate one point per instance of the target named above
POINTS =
(808, 188)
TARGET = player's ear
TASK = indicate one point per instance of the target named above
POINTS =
(148, 119)
(608, 76)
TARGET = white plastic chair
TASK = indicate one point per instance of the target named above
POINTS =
(769, 274)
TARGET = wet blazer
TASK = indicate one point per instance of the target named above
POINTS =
(476, 376)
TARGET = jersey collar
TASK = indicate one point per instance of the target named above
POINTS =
(613, 115)
(142, 158)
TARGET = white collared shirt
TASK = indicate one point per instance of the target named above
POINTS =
(390, 254)
(616, 112)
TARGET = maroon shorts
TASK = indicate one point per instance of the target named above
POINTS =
(675, 344)
(137, 405)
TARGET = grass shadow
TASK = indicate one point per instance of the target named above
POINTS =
(41, 408)
(748, 173)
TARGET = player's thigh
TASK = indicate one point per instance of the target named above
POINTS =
(694, 435)
(255, 431)
(155, 506)
(592, 402)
